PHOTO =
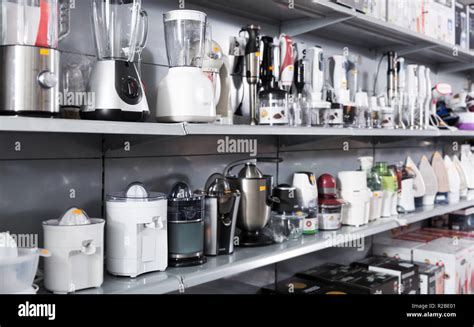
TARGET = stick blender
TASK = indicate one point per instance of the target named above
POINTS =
(252, 70)
(412, 94)
(402, 94)
(422, 94)
(286, 73)
(392, 80)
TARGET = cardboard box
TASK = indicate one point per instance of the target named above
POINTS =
(406, 272)
(452, 257)
(462, 220)
(359, 5)
(398, 12)
(461, 25)
(327, 273)
(395, 248)
(298, 285)
(439, 20)
(377, 9)
(431, 278)
(417, 237)
(470, 11)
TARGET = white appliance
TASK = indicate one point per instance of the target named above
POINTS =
(422, 95)
(441, 173)
(305, 183)
(76, 243)
(467, 162)
(115, 79)
(431, 181)
(419, 186)
(185, 94)
(213, 62)
(137, 238)
(412, 94)
(338, 66)
(376, 200)
(462, 176)
(406, 198)
(287, 62)
(454, 181)
(355, 192)
(315, 72)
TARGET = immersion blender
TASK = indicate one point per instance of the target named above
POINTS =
(392, 79)
(402, 93)
(421, 96)
(412, 93)
(287, 62)
(252, 70)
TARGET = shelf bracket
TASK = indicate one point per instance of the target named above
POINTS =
(453, 68)
(409, 49)
(300, 26)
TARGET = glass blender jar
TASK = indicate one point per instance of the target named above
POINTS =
(120, 32)
(185, 37)
(30, 33)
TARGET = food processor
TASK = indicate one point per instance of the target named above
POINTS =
(137, 231)
(185, 94)
(355, 192)
(186, 213)
(330, 206)
(120, 31)
(76, 243)
(29, 55)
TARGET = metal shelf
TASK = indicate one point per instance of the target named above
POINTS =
(56, 125)
(246, 259)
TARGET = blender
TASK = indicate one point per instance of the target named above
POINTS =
(185, 94)
(115, 80)
(29, 57)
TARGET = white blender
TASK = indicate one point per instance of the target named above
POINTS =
(185, 94)
(115, 80)
(137, 237)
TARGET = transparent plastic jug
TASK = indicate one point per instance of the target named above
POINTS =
(185, 36)
(120, 28)
(40, 23)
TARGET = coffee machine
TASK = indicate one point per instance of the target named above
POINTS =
(29, 56)
(186, 211)
(120, 32)
(222, 206)
(137, 233)
(185, 94)
(256, 201)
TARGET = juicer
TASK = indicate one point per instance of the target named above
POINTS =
(355, 192)
(185, 38)
(29, 56)
(120, 32)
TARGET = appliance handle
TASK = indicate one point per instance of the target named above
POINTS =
(144, 38)
(89, 247)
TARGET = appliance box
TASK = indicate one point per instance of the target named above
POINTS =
(449, 256)
(417, 237)
(327, 273)
(377, 9)
(370, 282)
(407, 273)
(398, 12)
(461, 25)
(298, 285)
(431, 278)
(449, 232)
(359, 5)
(462, 220)
(394, 248)
(439, 20)
(471, 27)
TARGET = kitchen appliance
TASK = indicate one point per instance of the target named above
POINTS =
(402, 92)
(422, 96)
(397, 174)
(431, 181)
(185, 37)
(355, 192)
(120, 32)
(419, 186)
(137, 233)
(315, 85)
(287, 62)
(213, 62)
(389, 187)
(273, 102)
(338, 67)
(287, 196)
(406, 198)
(252, 67)
(467, 162)
(186, 213)
(462, 177)
(454, 181)
(29, 56)
(307, 195)
(256, 201)
(330, 206)
(375, 185)
(222, 206)
(442, 177)
(76, 243)
(429, 107)
(286, 227)
(301, 65)
(392, 79)
(412, 94)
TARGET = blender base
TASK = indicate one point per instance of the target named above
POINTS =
(254, 239)
(186, 262)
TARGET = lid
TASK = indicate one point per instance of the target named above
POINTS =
(182, 192)
(217, 185)
(74, 217)
(136, 192)
(250, 171)
(185, 15)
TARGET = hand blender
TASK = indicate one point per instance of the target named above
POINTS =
(401, 92)
(421, 96)
(429, 98)
(392, 80)
(252, 63)
(300, 68)
(412, 93)
(315, 73)
(287, 61)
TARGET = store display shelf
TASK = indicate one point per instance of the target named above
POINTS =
(246, 259)
(56, 125)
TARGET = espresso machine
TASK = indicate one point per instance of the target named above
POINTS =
(29, 56)
(222, 206)
(185, 94)
(120, 32)
(256, 201)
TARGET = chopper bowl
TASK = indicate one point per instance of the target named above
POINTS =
(17, 274)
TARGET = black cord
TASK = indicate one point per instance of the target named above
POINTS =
(377, 74)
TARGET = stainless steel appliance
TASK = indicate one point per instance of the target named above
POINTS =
(29, 59)
(222, 205)
(120, 31)
(185, 227)
(256, 201)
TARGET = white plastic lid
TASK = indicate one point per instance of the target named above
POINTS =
(136, 192)
(185, 15)
(74, 217)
